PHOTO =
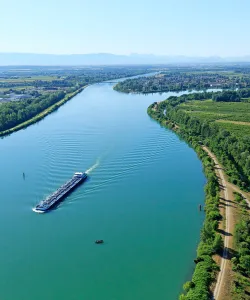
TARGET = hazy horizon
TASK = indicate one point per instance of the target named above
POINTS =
(126, 54)
(8, 59)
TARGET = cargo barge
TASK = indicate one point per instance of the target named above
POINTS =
(60, 193)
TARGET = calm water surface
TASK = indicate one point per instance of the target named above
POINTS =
(142, 198)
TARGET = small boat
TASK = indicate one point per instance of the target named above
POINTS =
(99, 241)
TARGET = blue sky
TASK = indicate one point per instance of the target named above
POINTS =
(171, 27)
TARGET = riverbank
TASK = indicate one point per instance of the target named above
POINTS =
(211, 242)
(221, 285)
(43, 114)
(117, 88)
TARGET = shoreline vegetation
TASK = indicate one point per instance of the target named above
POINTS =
(27, 97)
(38, 117)
(176, 81)
(202, 132)
(211, 242)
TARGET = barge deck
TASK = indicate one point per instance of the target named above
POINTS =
(60, 193)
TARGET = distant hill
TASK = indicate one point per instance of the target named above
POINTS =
(106, 59)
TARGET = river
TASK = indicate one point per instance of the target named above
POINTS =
(141, 198)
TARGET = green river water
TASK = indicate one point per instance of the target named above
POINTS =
(141, 198)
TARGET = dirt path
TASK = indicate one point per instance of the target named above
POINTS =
(245, 195)
(226, 191)
(233, 122)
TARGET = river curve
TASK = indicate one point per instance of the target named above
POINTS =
(142, 198)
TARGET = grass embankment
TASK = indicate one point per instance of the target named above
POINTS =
(42, 114)
(211, 241)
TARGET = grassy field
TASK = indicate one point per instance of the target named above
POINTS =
(26, 84)
(28, 79)
(237, 129)
(232, 116)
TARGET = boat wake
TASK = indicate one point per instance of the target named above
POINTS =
(93, 167)
(37, 211)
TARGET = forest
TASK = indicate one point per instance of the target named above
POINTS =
(14, 113)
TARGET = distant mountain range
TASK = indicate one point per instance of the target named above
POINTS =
(107, 59)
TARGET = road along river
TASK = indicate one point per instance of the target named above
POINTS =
(141, 198)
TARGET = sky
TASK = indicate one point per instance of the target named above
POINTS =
(161, 27)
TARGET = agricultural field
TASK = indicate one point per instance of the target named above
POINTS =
(28, 79)
(15, 88)
(231, 116)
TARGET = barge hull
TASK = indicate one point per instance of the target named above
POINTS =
(54, 199)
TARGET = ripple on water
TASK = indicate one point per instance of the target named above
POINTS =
(131, 193)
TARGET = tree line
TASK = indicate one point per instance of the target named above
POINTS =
(211, 242)
(180, 81)
(231, 96)
(14, 113)
(234, 154)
